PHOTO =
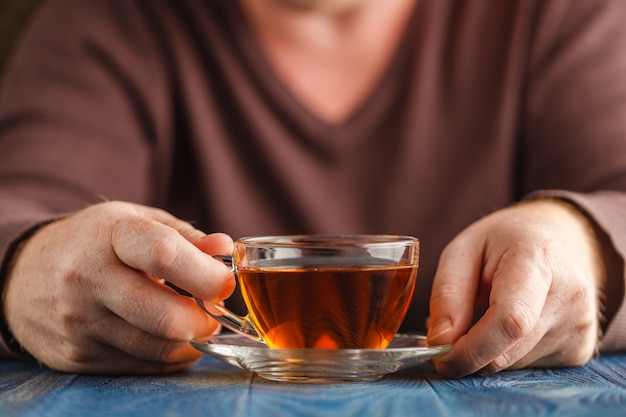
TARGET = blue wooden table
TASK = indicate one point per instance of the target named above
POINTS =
(213, 388)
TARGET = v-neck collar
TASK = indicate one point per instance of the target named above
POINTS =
(375, 105)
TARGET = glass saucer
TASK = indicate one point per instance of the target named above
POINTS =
(320, 365)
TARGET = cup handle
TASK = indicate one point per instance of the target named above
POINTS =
(242, 325)
(239, 324)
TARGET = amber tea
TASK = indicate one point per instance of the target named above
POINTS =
(325, 307)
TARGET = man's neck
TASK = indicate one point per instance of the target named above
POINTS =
(329, 53)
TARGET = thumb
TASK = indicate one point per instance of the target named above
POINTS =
(454, 292)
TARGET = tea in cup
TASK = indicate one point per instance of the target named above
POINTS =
(322, 292)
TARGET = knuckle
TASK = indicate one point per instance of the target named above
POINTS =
(81, 357)
(163, 253)
(167, 353)
(504, 361)
(518, 321)
(75, 359)
(167, 322)
(449, 289)
(588, 332)
(582, 295)
(575, 356)
(155, 246)
(445, 293)
(71, 319)
(581, 357)
(475, 358)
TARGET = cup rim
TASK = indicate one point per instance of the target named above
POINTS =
(291, 240)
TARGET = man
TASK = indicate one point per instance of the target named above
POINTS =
(495, 130)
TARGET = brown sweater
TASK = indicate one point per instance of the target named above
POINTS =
(173, 104)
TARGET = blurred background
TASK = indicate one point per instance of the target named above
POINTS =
(14, 15)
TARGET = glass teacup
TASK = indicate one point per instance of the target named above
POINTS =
(322, 292)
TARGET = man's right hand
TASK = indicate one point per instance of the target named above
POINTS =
(86, 293)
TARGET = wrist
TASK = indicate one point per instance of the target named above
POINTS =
(9, 346)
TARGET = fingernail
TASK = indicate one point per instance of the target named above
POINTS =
(438, 329)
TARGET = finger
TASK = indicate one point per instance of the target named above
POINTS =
(521, 354)
(214, 244)
(545, 347)
(80, 353)
(511, 318)
(162, 252)
(119, 363)
(453, 292)
(115, 332)
(153, 307)
(106, 360)
(185, 228)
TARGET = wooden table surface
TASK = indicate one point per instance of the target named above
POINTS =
(213, 388)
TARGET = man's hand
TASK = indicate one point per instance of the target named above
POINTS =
(535, 269)
(87, 294)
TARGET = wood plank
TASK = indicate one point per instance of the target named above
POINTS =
(213, 388)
